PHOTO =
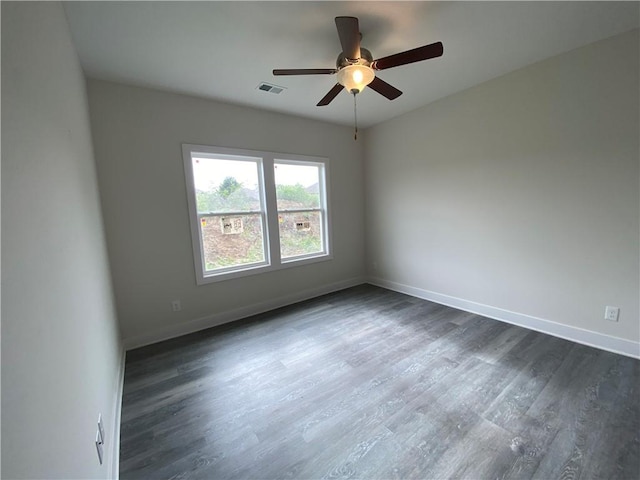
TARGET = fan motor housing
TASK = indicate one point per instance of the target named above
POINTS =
(365, 59)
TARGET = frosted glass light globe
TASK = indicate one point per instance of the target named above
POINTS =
(355, 77)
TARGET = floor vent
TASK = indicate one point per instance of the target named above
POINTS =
(267, 87)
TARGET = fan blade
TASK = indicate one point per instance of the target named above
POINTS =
(410, 56)
(333, 93)
(305, 71)
(349, 33)
(384, 89)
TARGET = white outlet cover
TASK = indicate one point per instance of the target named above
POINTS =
(99, 447)
(611, 313)
(101, 429)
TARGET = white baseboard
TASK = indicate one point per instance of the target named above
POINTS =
(114, 463)
(567, 332)
(232, 315)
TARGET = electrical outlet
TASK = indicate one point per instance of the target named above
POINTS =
(100, 439)
(101, 429)
(611, 313)
(175, 305)
(99, 447)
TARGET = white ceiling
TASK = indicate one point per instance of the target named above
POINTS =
(223, 50)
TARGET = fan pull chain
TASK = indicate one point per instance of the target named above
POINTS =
(355, 116)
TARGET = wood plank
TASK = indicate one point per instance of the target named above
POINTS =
(369, 383)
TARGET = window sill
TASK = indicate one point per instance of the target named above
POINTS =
(258, 269)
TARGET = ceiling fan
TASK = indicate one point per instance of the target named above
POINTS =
(356, 67)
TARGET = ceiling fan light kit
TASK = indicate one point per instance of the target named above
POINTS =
(356, 68)
(355, 77)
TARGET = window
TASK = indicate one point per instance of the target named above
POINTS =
(230, 211)
(254, 211)
(300, 212)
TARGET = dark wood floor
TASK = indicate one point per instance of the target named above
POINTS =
(372, 384)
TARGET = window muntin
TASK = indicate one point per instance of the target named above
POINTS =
(300, 199)
(252, 204)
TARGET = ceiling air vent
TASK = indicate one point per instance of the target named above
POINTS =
(267, 87)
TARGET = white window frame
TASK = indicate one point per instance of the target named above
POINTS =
(271, 233)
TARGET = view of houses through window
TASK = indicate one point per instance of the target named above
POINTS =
(233, 218)
(230, 211)
(299, 209)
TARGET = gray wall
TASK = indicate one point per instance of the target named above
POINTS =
(61, 352)
(138, 134)
(520, 194)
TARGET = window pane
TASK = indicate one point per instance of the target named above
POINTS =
(229, 241)
(226, 185)
(300, 233)
(297, 186)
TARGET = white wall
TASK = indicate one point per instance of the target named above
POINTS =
(518, 198)
(61, 351)
(138, 134)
